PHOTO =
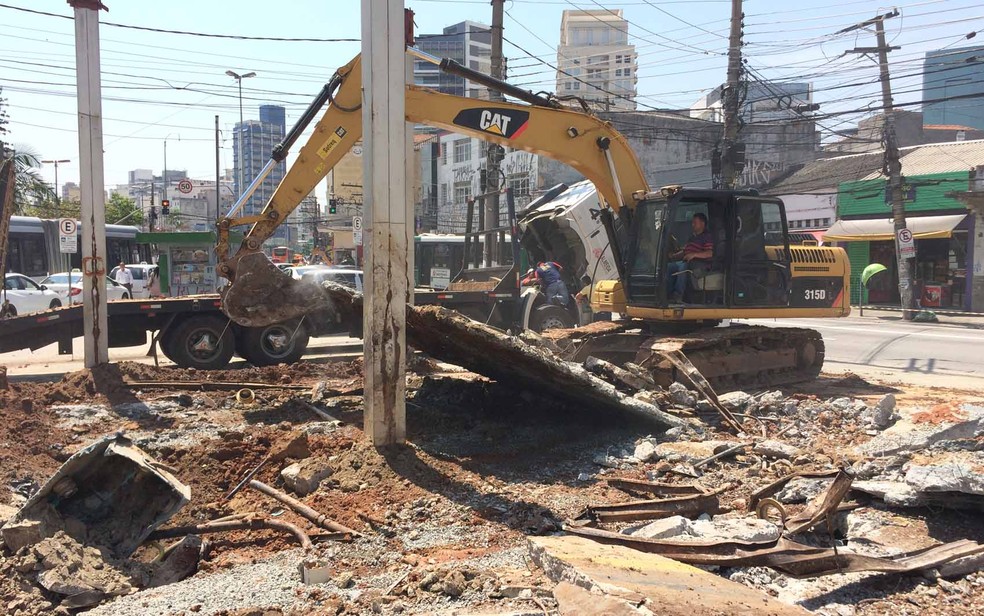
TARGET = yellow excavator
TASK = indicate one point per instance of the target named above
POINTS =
(748, 267)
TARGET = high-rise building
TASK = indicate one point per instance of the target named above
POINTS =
(762, 101)
(252, 147)
(950, 76)
(470, 44)
(596, 61)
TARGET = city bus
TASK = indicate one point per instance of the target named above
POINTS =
(281, 254)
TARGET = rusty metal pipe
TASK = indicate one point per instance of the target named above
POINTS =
(300, 508)
(230, 525)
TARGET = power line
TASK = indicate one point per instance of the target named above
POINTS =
(238, 37)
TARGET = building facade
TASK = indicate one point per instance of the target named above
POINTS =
(253, 142)
(596, 61)
(952, 78)
(764, 101)
(468, 43)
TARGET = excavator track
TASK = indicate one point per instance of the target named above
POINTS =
(729, 358)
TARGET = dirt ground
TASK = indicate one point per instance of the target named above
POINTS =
(444, 519)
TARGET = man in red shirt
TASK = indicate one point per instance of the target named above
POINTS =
(697, 253)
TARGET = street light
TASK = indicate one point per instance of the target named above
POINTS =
(164, 178)
(56, 163)
(239, 80)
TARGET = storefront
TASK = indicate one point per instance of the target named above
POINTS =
(941, 228)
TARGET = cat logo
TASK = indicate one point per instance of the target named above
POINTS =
(508, 123)
(497, 123)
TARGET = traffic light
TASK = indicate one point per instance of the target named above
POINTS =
(332, 206)
(165, 207)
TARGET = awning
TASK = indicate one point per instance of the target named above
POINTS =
(922, 227)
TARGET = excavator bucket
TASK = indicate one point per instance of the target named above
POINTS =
(262, 294)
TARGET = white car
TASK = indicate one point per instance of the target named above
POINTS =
(68, 286)
(24, 295)
(298, 271)
(351, 278)
(141, 278)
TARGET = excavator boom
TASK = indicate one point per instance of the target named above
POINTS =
(261, 294)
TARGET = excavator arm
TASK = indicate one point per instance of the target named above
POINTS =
(580, 140)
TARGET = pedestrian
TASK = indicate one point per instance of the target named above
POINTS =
(154, 284)
(124, 278)
(548, 275)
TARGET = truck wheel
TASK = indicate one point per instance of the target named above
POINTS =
(271, 345)
(550, 316)
(204, 343)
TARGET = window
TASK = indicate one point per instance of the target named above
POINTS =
(826, 222)
(444, 192)
(618, 72)
(462, 191)
(483, 150)
(577, 85)
(462, 150)
(628, 72)
(520, 185)
(568, 85)
(618, 59)
(444, 153)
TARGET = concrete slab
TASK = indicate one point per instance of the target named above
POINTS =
(920, 429)
(666, 586)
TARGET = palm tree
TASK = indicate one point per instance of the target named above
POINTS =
(29, 187)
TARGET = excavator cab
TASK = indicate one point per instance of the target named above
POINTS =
(743, 242)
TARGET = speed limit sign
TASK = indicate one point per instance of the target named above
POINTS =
(185, 186)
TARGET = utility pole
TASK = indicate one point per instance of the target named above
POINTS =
(730, 151)
(893, 164)
(494, 152)
(218, 187)
(384, 126)
(95, 328)
(56, 162)
(239, 133)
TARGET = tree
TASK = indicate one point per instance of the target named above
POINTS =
(123, 210)
(29, 188)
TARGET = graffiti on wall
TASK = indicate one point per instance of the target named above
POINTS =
(759, 172)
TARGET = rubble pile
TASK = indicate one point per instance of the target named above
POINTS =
(835, 497)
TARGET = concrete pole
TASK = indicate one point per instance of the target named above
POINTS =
(729, 152)
(384, 220)
(494, 152)
(95, 332)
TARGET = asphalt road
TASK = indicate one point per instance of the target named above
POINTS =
(887, 348)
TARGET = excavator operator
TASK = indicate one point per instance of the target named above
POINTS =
(694, 258)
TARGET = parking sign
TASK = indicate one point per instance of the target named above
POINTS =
(68, 235)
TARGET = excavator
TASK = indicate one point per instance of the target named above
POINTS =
(751, 271)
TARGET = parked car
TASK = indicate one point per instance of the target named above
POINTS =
(68, 286)
(24, 295)
(298, 271)
(351, 278)
(141, 278)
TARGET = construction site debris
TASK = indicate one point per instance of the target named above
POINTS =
(576, 601)
(110, 494)
(771, 448)
(305, 476)
(318, 518)
(240, 523)
(661, 585)
(717, 530)
(652, 509)
(447, 335)
(919, 430)
(822, 507)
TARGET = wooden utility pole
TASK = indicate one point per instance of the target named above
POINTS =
(95, 332)
(384, 219)
(893, 164)
(729, 150)
(494, 152)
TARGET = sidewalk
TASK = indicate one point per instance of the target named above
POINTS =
(961, 319)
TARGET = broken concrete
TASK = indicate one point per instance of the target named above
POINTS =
(666, 586)
(689, 452)
(447, 335)
(884, 413)
(305, 476)
(735, 400)
(951, 472)
(110, 494)
(719, 529)
(923, 429)
(576, 601)
(802, 489)
(776, 449)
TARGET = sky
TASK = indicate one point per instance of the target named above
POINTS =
(169, 87)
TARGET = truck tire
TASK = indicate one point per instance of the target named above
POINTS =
(273, 344)
(549, 316)
(202, 342)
